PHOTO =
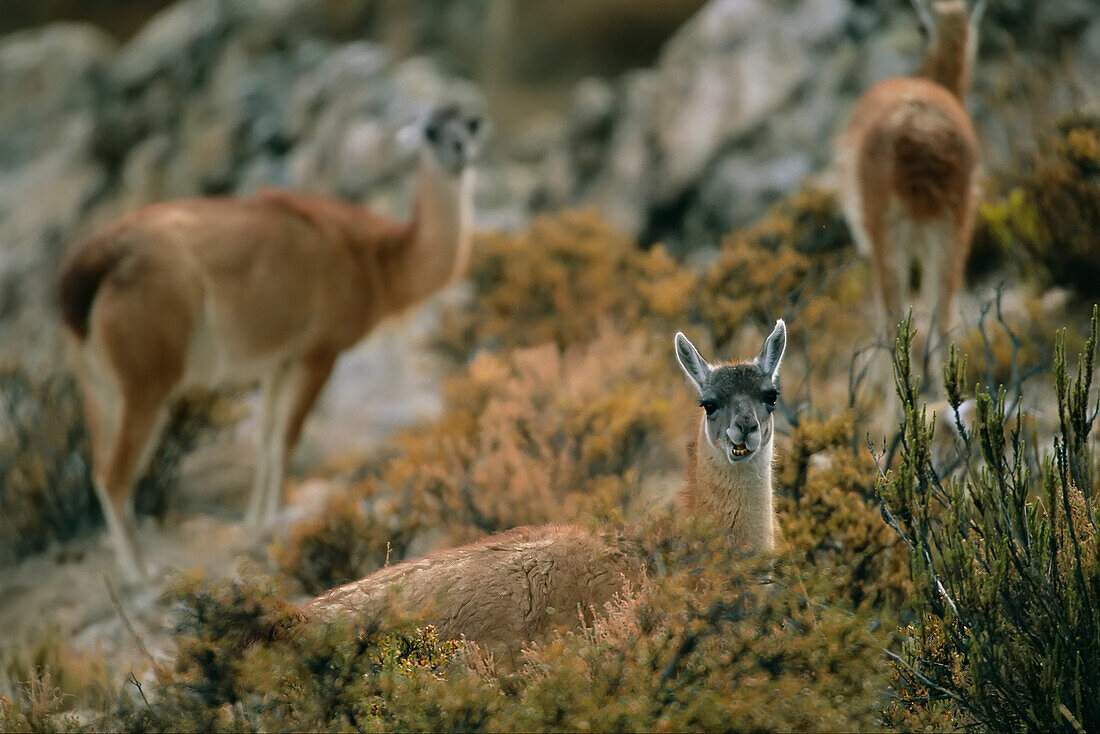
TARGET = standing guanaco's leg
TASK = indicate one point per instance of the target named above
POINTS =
(952, 274)
(269, 390)
(300, 392)
(100, 402)
(137, 350)
(288, 397)
(886, 265)
(141, 415)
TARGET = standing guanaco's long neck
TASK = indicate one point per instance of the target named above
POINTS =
(738, 496)
(439, 237)
(947, 61)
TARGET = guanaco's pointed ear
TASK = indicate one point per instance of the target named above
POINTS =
(772, 352)
(972, 38)
(695, 367)
(927, 16)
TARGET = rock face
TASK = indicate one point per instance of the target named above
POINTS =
(745, 99)
(228, 96)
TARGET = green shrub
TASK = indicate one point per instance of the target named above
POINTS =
(1051, 210)
(243, 661)
(706, 646)
(46, 491)
(830, 519)
(1005, 562)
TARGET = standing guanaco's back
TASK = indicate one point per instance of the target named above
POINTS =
(907, 167)
(204, 292)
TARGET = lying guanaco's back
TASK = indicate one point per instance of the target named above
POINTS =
(502, 591)
(515, 586)
(907, 167)
(204, 292)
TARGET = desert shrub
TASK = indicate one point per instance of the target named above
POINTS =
(1051, 208)
(46, 490)
(809, 221)
(532, 436)
(353, 536)
(49, 683)
(761, 274)
(1005, 562)
(40, 706)
(794, 262)
(710, 642)
(244, 661)
(195, 420)
(707, 646)
(50, 662)
(559, 281)
(830, 518)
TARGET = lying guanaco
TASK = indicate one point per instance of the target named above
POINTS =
(515, 586)
(204, 292)
(907, 167)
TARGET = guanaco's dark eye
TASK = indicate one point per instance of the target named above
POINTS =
(708, 405)
(769, 398)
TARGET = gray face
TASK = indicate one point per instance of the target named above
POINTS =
(738, 399)
(454, 137)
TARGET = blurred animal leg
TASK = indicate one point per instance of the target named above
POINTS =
(269, 392)
(300, 393)
(141, 414)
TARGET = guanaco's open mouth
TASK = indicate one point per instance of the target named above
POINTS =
(739, 449)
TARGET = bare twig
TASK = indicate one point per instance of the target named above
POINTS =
(129, 626)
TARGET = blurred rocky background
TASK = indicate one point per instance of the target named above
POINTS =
(678, 120)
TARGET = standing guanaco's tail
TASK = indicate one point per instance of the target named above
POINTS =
(81, 275)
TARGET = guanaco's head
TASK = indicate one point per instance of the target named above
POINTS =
(453, 136)
(952, 40)
(738, 398)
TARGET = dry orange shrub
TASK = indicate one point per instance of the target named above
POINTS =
(532, 436)
(559, 280)
(830, 517)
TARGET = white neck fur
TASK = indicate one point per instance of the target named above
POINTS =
(739, 496)
(444, 216)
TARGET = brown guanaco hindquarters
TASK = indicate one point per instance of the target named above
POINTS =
(205, 292)
(907, 169)
(515, 586)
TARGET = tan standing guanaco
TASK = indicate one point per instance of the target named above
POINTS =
(204, 292)
(907, 167)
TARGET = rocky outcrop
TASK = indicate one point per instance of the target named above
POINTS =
(745, 99)
(227, 96)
